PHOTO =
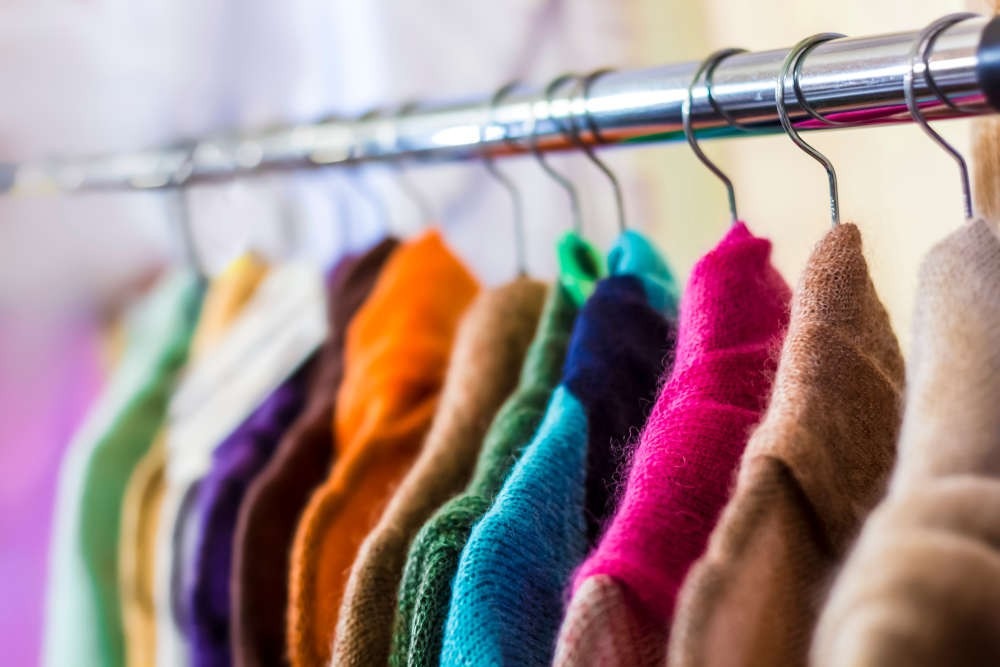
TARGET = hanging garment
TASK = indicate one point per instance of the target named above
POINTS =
(812, 470)
(507, 595)
(144, 493)
(734, 313)
(425, 590)
(395, 360)
(275, 500)
(83, 616)
(51, 374)
(277, 331)
(489, 349)
(922, 585)
(235, 462)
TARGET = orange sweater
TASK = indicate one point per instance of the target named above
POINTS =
(395, 360)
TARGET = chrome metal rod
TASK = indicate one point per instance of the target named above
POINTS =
(855, 81)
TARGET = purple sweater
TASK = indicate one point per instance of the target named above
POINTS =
(235, 463)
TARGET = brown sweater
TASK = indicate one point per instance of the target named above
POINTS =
(922, 586)
(811, 472)
(275, 500)
(483, 370)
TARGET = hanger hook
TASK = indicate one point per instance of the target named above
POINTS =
(505, 181)
(920, 53)
(356, 182)
(564, 183)
(790, 65)
(406, 184)
(585, 84)
(800, 97)
(707, 69)
(183, 217)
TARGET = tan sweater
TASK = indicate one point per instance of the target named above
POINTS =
(483, 370)
(811, 472)
(922, 586)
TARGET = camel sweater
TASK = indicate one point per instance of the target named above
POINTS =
(812, 471)
(922, 584)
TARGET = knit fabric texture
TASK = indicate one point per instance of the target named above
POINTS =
(139, 521)
(216, 503)
(922, 584)
(395, 361)
(83, 622)
(733, 317)
(425, 590)
(489, 350)
(276, 499)
(580, 266)
(507, 595)
(811, 472)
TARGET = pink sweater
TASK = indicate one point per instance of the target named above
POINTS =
(733, 317)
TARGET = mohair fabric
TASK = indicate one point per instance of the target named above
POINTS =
(224, 300)
(922, 584)
(489, 350)
(83, 619)
(235, 462)
(811, 472)
(275, 500)
(733, 317)
(425, 590)
(507, 595)
(395, 361)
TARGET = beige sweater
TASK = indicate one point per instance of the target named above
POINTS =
(812, 470)
(922, 586)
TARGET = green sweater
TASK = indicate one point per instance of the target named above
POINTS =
(434, 555)
(83, 624)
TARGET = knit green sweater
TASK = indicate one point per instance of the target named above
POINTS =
(433, 559)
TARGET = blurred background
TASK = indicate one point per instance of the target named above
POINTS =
(85, 76)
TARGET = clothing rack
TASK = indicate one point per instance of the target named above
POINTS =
(850, 82)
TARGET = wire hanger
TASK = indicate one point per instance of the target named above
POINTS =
(409, 189)
(585, 84)
(184, 219)
(791, 65)
(402, 176)
(920, 53)
(564, 183)
(505, 181)
(707, 69)
(356, 182)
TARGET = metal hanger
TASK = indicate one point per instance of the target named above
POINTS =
(564, 183)
(791, 65)
(356, 182)
(517, 204)
(706, 69)
(183, 218)
(920, 53)
(718, 108)
(409, 189)
(797, 83)
(585, 84)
